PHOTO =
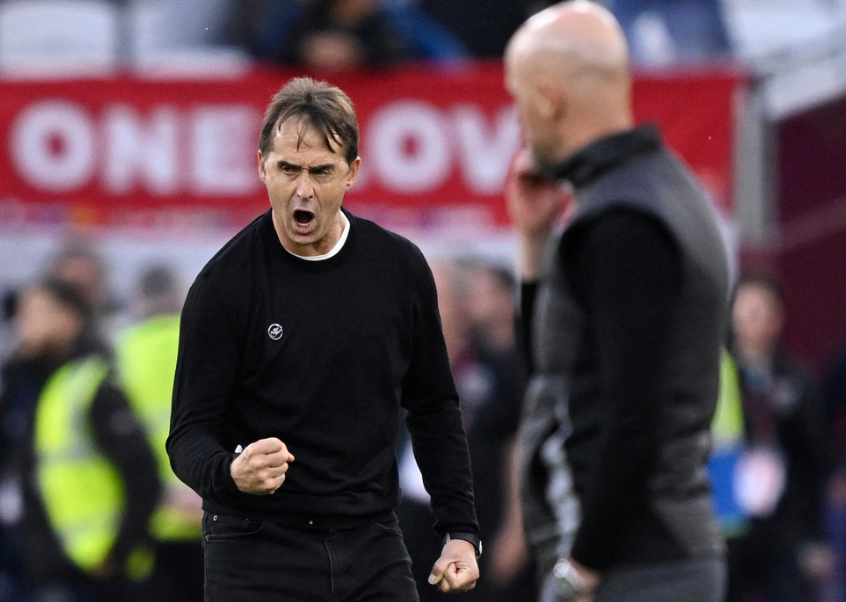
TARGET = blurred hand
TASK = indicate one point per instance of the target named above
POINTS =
(534, 201)
(591, 579)
(508, 554)
(456, 570)
(260, 469)
(536, 204)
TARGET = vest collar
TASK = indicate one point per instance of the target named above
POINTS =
(604, 154)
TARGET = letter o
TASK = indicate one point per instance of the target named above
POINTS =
(389, 134)
(33, 134)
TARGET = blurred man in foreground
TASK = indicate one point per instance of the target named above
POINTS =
(625, 310)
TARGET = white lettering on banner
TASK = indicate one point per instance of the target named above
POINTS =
(409, 147)
(224, 146)
(53, 145)
(486, 151)
(136, 150)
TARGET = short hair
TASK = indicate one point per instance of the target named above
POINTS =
(319, 105)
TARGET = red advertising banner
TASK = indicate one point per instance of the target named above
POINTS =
(435, 144)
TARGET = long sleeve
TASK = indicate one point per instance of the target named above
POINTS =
(206, 373)
(434, 420)
(626, 271)
(523, 321)
(120, 436)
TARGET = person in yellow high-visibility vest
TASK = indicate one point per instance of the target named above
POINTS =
(146, 361)
(84, 475)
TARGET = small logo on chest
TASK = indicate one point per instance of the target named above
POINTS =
(274, 331)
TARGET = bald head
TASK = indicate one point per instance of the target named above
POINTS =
(568, 69)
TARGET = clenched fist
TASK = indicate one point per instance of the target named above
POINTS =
(260, 469)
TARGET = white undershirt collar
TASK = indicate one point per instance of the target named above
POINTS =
(335, 250)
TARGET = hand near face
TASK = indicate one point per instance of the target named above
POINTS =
(260, 469)
(534, 201)
(456, 570)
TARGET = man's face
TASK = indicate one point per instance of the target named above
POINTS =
(306, 183)
(535, 128)
(43, 325)
(758, 317)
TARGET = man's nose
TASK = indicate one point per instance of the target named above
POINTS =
(305, 187)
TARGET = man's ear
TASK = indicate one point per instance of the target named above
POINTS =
(552, 101)
(353, 173)
(261, 168)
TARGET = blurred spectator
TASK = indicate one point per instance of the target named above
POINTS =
(146, 363)
(491, 305)
(80, 266)
(834, 395)
(666, 32)
(78, 477)
(779, 478)
(490, 385)
(483, 26)
(345, 35)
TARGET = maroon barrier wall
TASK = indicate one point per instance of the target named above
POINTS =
(811, 254)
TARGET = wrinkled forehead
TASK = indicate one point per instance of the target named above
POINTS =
(300, 135)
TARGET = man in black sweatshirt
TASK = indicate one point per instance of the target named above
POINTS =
(301, 340)
(625, 310)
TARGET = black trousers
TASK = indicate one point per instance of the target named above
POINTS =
(262, 561)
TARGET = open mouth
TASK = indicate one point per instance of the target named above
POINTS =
(303, 217)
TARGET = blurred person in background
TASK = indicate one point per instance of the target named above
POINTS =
(80, 265)
(490, 298)
(347, 35)
(491, 301)
(483, 26)
(146, 362)
(834, 401)
(674, 32)
(781, 476)
(79, 478)
(626, 311)
(490, 388)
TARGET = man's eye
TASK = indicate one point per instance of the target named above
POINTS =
(290, 170)
(322, 175)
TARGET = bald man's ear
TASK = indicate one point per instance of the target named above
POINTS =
(552, 101)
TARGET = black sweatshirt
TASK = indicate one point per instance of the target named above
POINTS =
(625, 270)
(320, 354)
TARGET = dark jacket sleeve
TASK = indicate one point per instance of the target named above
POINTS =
(626, 271)
(434, 418)
(206, 371)
(523, 321)
(122, 439)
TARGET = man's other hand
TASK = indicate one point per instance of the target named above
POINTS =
(456, 570)
(260, 469)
